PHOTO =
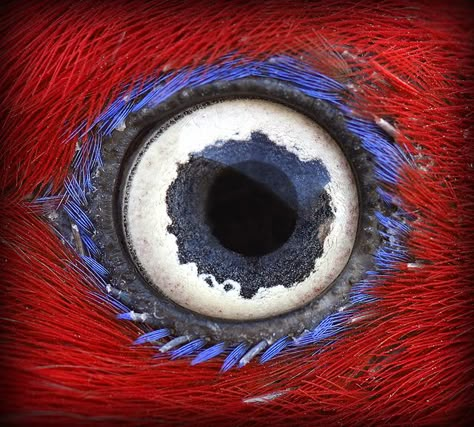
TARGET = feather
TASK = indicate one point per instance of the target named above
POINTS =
(403, 358)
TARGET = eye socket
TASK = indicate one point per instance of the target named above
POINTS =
(150, 302)
(241, 209)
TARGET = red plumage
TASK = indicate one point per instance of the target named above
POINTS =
(407, 360)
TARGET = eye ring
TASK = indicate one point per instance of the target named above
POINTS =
(157, 310)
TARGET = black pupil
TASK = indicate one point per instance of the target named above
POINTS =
(251, 208)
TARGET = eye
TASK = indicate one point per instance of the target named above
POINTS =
(240, 211)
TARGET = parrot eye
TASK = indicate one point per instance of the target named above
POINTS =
(241, 209)
(239, 213)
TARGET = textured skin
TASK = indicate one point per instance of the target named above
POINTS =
(407, 360)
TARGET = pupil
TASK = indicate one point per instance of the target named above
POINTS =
(251, 208)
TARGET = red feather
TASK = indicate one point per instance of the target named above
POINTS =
(407, 360)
